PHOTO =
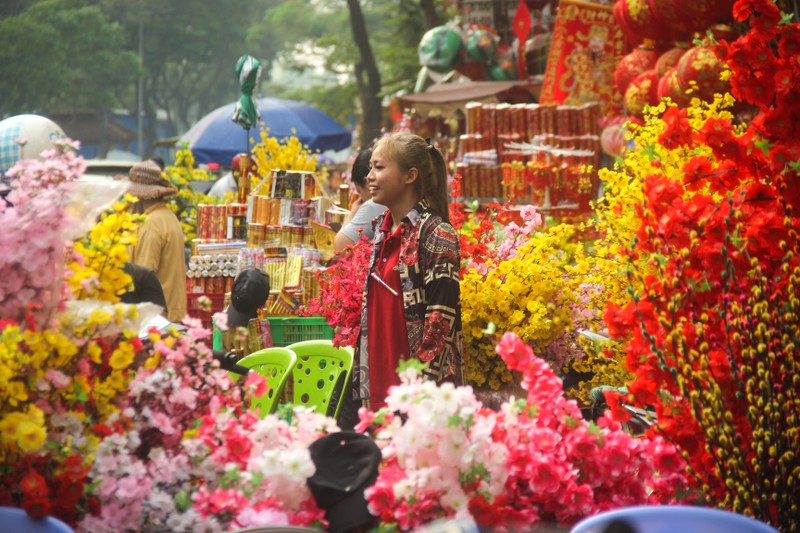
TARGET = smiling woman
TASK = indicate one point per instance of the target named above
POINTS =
(411, 299)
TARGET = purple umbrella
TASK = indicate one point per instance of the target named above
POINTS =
(216, 138)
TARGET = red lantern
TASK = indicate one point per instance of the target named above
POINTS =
(641, 92)
(632, 38)
(639, 17)
(642, 59)
(701, 67)
(668, 86)
(670, 58)
(612, 139)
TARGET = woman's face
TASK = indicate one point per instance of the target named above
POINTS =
(363, 192)
(387, 183)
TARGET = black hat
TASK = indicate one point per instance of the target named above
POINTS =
(249, 293)
(347, 463)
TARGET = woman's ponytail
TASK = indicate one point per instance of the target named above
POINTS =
(438, 196)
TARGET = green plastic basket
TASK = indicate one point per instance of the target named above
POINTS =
(288, 330)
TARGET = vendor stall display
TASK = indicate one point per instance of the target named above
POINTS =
(530, 153)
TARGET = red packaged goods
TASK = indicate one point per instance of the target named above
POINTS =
(489, 120)
(503, 118)
(518, 122)
(548, 119)
(474, 181)
(532, 120)
(502, 145)
(473, 117)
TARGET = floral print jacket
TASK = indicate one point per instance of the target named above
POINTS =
(429, 275)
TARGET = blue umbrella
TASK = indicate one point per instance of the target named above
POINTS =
(217, 138)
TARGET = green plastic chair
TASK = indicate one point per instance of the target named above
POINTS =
(321, 376)
(277, 365)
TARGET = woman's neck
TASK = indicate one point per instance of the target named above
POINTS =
(401, 209)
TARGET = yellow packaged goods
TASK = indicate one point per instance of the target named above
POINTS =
(294, 268)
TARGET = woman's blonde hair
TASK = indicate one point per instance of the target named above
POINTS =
(412, 151)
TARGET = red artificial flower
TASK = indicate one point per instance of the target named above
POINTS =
(7, 323)
(789, 41)
(744, 9)
(759, 90)
(34, 485)
(6, 498)
(93, 505)
(785, 81)
(69, 491)
(455, 185)
(36, 507)
(695, 172)
(102, 430)
(777, 124)
(678, 131)
(614, 402)
(74, 466)
(717, 131)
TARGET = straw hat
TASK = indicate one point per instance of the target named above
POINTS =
(147, 183)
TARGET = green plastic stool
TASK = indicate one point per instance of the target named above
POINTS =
(321, 375)
(276, 364)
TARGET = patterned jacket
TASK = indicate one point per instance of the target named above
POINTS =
(429, 275)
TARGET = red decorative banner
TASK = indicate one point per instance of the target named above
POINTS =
(587, 44)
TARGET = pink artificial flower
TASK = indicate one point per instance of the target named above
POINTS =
(57, 378)
(546, 476)
(256, 384)
(514, 351)
(266, 516)
(221, 321)
(218, 501)
(366, 418)
(185, 396)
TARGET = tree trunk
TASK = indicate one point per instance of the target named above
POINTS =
(368, 78)
(429, 11)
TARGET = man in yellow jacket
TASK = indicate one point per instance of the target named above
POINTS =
(161, 239)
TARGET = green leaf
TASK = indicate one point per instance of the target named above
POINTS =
(230, 478)
(412, 363)
(764, 145)
(79, 394)
(182, 501)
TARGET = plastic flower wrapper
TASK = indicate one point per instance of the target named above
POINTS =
(108, 319)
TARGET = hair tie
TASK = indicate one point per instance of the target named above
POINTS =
(428, 142)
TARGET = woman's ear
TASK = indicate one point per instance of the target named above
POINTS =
(412, 175)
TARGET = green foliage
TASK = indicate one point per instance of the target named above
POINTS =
(62, 53)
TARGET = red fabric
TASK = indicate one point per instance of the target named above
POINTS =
(388, 338)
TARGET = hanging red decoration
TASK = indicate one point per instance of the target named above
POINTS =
(670, 58)
(522, 28)
(642, 59)
(641, 92)
(668, 86)
(700, 68)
